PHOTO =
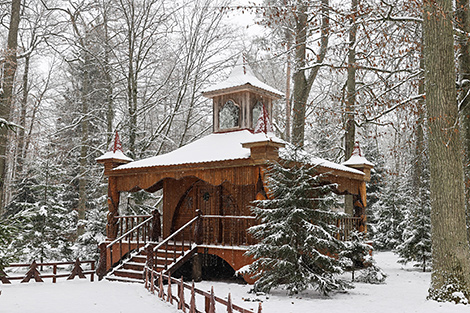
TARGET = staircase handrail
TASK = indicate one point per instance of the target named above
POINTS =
(166, 240)
(128, 232)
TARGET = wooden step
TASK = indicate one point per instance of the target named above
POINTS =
(124, 279)
(128, 273)
(139, 259)
(134, 266)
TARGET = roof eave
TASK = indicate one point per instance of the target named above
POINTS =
(245, 87)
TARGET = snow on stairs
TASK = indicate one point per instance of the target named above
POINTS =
(167, 258)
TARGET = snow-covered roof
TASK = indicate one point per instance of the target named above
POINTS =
(118, 155)
(242, 74)
(115, 151)
(221, 147)
(357, 158)
(211, 148)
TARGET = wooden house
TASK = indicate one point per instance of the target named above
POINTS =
(208, 186)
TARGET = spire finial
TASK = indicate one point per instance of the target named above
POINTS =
(244, 62)
(356, 149)
(117, 145)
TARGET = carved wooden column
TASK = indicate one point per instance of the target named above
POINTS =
(113, 206)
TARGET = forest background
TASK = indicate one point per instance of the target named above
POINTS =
(81, 70)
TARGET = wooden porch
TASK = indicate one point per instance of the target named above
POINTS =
(139, 242)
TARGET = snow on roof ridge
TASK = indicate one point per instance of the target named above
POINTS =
(242, 74)
(221, 147)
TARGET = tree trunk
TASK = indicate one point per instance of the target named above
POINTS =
(302, 83)
(350, 124)
(450, 250)
(21, 132)
(461, 23)
(6, 98)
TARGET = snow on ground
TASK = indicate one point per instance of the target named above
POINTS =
(405, 291)
(79, 296)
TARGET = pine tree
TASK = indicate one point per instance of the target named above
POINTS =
(416, 246)
(390, 214)
(7, 233)
(297, 246)
(357, 255)
(355, 252)
(46, 226)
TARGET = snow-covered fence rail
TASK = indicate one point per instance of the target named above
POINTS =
(34, 271)
(155, 285)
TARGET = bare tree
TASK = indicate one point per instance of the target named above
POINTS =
(6, 91)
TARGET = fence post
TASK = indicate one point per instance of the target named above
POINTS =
(54, 272)
(102, 266)
(229, 304)
(161, 293)
(33, 272)
(156, 226)
(192, 303)
(77, 270)
(260, 308)
(92, 275)
(169, 295)
(212, 301)
(4, 277)
(181, 304)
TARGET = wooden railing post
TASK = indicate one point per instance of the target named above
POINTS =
(156, 226)
(149, 267)
(198, 228)
(101, 269)
(192, 303)
(54, 272)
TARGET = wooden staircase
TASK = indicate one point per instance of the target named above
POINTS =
(167, 256)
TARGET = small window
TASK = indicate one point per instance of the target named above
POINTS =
(229, 115)
(256, 113)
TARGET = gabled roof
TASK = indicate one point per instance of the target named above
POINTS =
(241, 75)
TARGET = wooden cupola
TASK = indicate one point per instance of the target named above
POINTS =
(114, 156)
(238, 101)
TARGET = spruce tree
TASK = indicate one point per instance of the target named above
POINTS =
(416, 246)
(390, 214)
(46, 226)
(296, 246)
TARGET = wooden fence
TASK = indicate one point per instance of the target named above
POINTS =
(210, 299)
(33, 271)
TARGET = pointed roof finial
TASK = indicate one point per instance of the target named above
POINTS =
(244, 62)
(356, 158)
(356, 149)
(117, 145)
(115, 153)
